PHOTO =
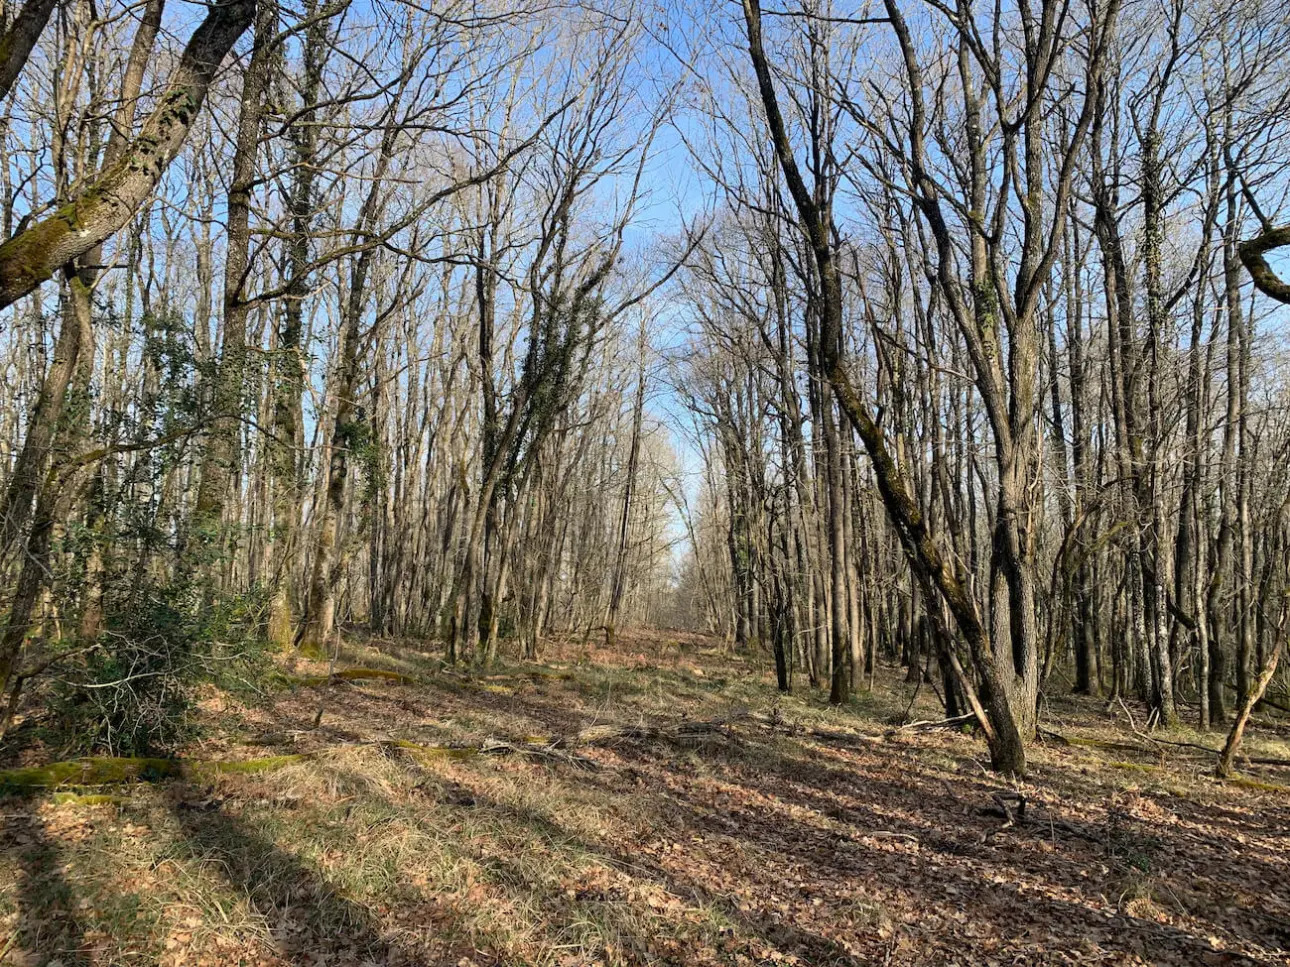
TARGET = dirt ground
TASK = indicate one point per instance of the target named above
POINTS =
(788, 832)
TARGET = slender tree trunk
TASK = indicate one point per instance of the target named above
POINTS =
(220, 469)
(1233, 744)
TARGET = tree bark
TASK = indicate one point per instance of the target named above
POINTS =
(101, 208)
(17, 42)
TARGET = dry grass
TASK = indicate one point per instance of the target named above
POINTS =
(767, 847)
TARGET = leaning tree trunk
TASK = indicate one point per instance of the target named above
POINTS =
(1003, 732)
(1259, 686)
(103, 206)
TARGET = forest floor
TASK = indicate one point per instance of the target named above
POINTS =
(792, 833)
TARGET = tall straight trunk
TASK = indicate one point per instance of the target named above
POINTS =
(839, 687)
(288, 366)
(1192, 546)
(629, 488)
(1224, 574)
(1245, 591)
(1085, 612)
(220, 463)
(856, 638)
(1155, 560)
(320, 616)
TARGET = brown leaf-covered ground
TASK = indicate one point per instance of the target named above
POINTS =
(799, 834)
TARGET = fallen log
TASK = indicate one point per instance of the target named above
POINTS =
(1266, 761)
(682, 733)
(1086, 743)
(107, 770)
(354, 675)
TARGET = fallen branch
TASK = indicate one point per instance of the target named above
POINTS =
(558, 747)
(1180, 745)
(929, 726)
(1264, 761)
(1272, 704)
(1245, 782)
(889, 834)
(501, 747)
(1013, 807)
(1017, 811)
(775, 721)
(535, 748)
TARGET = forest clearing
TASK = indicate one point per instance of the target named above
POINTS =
(787, 831)
(627, 482)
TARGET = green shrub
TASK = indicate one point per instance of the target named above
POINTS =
(133, 694)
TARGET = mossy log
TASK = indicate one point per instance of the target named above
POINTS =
(105, 771)
(1245, 782)
(94, 771)
(89, 799)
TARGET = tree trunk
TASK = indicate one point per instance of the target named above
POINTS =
(102, 207)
